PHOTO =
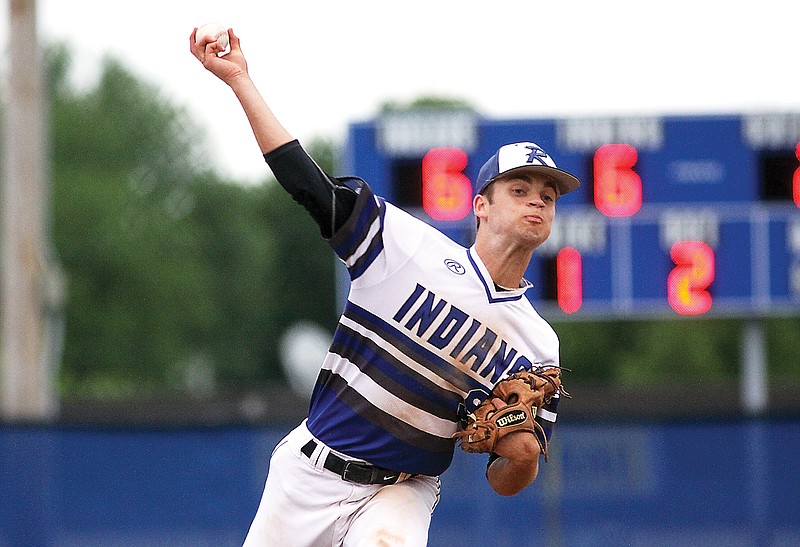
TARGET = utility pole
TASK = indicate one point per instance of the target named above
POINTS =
(27, 390)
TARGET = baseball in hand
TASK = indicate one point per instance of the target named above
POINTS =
(213, 32)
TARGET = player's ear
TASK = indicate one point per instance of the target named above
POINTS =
(479, 203)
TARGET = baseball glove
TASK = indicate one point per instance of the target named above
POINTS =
(523, 393)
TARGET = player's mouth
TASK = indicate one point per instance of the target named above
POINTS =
(535, 219)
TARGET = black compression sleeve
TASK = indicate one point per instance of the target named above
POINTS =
(328, 203)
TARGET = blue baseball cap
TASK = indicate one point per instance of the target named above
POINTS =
(524, 156)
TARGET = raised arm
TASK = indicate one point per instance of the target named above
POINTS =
(232, 69)
(328, 202)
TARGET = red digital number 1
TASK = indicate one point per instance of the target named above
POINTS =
(569, 279)
(617, 187)
(688, 282)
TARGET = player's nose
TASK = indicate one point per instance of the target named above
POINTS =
(536, 200)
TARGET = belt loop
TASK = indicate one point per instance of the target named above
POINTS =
(316, 453)
(321, 455)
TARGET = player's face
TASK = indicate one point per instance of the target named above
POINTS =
(520, 206)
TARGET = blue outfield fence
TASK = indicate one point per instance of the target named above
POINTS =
(703, 483)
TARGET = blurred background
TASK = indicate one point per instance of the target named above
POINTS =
(165, 305)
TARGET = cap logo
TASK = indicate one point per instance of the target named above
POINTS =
(522, 154)
(537, 154)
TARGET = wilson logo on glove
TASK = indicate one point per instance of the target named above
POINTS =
(513, 418)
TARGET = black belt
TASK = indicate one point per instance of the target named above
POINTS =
(361, 473)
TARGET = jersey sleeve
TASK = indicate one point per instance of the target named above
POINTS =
(359, 241)
(350, 217)
(546, 416)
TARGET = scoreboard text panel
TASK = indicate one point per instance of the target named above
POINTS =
(682, 215)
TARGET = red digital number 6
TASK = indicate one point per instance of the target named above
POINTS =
(617, 187)
(446, 190)
(796, 178)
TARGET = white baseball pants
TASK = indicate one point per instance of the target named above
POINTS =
(305, 505)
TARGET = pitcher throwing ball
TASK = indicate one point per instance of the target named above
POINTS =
(437, 345)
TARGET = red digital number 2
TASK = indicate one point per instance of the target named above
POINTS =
(688, 282)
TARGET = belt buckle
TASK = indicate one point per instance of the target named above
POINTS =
(358, 473)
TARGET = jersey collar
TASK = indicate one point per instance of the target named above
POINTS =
(492, 293)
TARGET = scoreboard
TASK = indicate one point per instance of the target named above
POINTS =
(676, 215)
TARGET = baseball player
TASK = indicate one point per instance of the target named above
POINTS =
(437, 345)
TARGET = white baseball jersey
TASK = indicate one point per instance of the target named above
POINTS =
(424, 337)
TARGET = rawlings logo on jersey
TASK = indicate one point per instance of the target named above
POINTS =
(515, 417)
(455, 266)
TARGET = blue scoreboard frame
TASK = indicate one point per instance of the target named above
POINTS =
(677, 215)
